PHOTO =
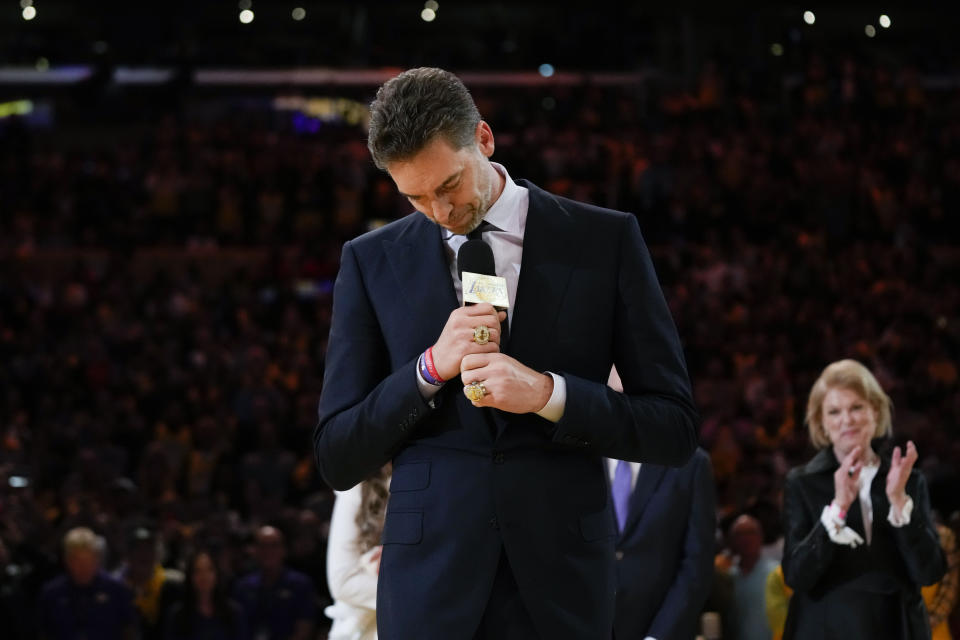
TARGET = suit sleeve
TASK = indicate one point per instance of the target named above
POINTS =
(366, 412)
(918, 541)
(691, 586)
(654, 420)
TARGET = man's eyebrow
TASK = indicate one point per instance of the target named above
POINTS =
(446, 183)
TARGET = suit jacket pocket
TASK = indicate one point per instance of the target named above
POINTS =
(410, 476)
(403, 527)
(595, 526)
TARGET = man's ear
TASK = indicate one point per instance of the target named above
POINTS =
(484, 139)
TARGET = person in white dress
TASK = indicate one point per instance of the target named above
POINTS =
(353, 558)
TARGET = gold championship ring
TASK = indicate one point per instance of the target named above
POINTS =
(481, 334)
(475, 391)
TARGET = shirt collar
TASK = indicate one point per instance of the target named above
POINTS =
(503, 214)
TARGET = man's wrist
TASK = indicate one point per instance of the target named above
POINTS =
(547, 390)
(428, 370)
(553, 409)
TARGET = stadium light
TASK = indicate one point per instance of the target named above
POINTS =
(885, 21)
(546, 70)
(433, 5)
(29, 12)
(808, 17)
(428, 15)
(870, 30)
(299, 14)
(246, 16)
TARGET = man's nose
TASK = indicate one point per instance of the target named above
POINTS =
(441, 209)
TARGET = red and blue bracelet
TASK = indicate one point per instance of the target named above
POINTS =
(428, 370)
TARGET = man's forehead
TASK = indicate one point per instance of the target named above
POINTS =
(426, 172)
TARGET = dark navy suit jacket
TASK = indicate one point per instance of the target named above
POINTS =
(665, 552)
(468, 482)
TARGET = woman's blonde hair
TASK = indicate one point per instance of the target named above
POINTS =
(374, 492)
(851, 375)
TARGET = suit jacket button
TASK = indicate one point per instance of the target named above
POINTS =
(619, 555)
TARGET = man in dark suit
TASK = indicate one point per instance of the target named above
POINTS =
(667, 519)
(499, 523)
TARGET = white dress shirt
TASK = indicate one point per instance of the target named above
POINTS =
(509, 215)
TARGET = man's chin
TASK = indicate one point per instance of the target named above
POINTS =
(460, 229)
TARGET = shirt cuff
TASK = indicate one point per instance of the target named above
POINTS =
(902, 518)
(427, 390)
(836, 527)
(553, 410)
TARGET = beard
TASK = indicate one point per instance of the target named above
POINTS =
(476, 214)
(472, 216)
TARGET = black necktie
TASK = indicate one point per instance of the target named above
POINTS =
(477, 234)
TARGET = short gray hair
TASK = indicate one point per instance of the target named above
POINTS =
(83, 539)
(414, 108)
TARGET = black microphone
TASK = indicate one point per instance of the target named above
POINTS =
(475, 256)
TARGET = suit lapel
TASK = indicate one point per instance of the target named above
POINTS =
(549, 247)
(422, 274)
(649, 478)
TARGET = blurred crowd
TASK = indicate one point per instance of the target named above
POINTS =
(165, 298)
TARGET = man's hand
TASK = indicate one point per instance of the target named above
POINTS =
(511, 386)
(456, 339)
